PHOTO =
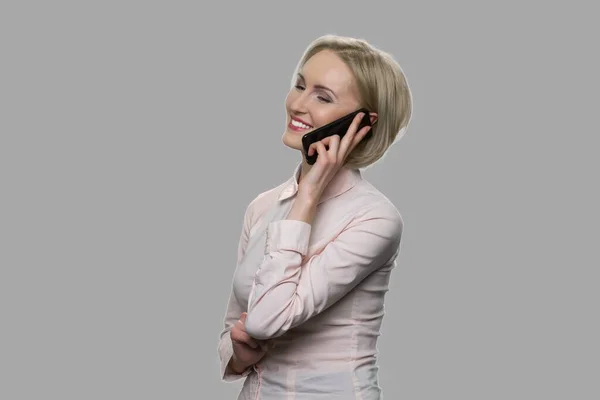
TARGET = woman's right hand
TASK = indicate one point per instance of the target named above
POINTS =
(246, 350)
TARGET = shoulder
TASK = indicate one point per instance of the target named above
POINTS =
(368, 201)
(371, 210)
(365, 221)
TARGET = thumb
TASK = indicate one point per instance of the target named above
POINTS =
(243, 317)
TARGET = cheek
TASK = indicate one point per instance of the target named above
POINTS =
(324, 116)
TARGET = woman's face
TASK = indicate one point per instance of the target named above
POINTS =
(324, 91)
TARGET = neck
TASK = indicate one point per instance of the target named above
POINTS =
(304, 169)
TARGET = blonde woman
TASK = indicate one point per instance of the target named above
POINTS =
(316, 252)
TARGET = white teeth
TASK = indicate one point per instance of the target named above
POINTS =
(300, 124)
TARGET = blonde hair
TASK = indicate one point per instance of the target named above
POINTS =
(382, 87)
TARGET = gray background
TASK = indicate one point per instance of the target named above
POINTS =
(129, 135)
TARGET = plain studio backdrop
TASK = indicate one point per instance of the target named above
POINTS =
(134, 134)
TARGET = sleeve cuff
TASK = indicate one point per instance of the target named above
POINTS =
(287, 234)
(227, 373)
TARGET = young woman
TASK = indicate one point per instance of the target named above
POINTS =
(316, 252)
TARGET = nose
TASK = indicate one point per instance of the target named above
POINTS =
(299, 104)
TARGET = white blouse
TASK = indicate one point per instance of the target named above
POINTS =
(314, 293)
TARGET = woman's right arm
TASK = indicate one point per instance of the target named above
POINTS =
(231, 372)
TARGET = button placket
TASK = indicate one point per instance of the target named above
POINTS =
(267, 241)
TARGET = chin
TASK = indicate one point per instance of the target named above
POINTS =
(292, 140)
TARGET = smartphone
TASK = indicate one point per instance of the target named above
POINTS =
(337, 127)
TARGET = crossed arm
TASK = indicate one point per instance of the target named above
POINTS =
(289, 290)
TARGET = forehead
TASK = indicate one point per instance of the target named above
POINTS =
(327, 69)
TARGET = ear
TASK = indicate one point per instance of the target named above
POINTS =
(373, 117)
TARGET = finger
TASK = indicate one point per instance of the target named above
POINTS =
(360, 136)
(326, 141)
(334, 146)
(258, 352)
(241, 336)
(314, 148)
(331, 140)
(349, 137)
(321, 151)
(357, 139)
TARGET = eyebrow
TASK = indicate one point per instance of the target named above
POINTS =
(318, 86)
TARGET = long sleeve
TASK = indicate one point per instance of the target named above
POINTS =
(232, 314)
(288, 291)
(225, 346)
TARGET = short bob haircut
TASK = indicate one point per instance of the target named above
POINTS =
(382, 87)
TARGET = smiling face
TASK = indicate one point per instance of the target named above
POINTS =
(325, 90)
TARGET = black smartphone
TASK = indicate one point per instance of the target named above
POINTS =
(338, 127)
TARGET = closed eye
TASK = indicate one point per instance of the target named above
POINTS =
(322, 99)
